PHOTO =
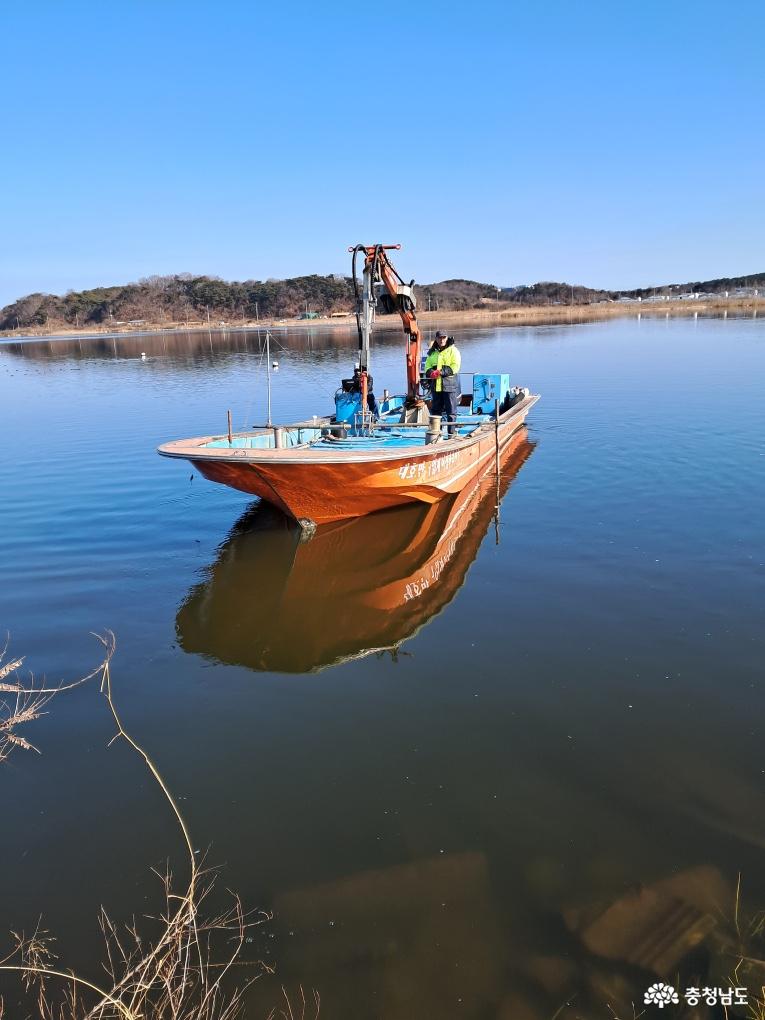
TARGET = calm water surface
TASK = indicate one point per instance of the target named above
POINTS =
(427, 783)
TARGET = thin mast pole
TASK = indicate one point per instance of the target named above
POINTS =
(496, 469)
(268, 375)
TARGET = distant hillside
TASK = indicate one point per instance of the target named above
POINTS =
(178, 298)
(183, 297)
(565, 293)
(186, 297)
(554, 294)
(453, 295)
(731, 284)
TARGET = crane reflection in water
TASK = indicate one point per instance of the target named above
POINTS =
(272, 602)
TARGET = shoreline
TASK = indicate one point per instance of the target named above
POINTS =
(515, 315)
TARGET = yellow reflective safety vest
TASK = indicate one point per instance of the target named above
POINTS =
(450, 358)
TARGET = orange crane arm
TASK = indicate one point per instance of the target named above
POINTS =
(400, 298)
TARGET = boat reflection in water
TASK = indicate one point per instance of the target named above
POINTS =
(273, 602)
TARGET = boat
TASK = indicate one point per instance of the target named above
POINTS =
(367, 457)
(384, 577)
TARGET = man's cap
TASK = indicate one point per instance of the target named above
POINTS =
(440, 335)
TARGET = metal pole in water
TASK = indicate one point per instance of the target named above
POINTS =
(268, 376)
(496, 453)
(230, 435)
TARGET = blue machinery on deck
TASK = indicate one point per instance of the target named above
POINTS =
(489, 388)
(481, 398)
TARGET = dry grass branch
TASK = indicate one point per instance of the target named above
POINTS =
(178, 974)
(301, 1010)
(29, 701)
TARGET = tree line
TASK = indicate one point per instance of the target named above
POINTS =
(181, 298)
(185, 297)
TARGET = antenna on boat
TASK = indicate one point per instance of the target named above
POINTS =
(269, 423)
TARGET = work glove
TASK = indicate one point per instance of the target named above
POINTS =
(433, 373)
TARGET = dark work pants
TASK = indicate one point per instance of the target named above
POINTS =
(445, 404)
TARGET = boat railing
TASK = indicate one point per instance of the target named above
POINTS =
(462, 419)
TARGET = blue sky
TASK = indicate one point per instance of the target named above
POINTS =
(597, 143)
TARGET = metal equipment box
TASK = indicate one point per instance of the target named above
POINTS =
(487, 389)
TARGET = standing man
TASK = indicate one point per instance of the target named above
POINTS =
(442, 367)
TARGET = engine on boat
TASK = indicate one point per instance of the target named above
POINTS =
(348, 398)
(478, 397)
(347, 404)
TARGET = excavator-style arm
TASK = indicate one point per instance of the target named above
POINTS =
(382, 286)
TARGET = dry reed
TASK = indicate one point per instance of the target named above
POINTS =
(185, 971)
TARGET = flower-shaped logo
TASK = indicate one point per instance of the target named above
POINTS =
(660, 995)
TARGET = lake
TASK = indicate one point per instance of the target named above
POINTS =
(481, 796)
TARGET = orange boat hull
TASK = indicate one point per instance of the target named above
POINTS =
(327, 482)
(334, 490)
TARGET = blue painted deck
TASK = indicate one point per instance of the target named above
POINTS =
(380, 439)
(386, 439)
